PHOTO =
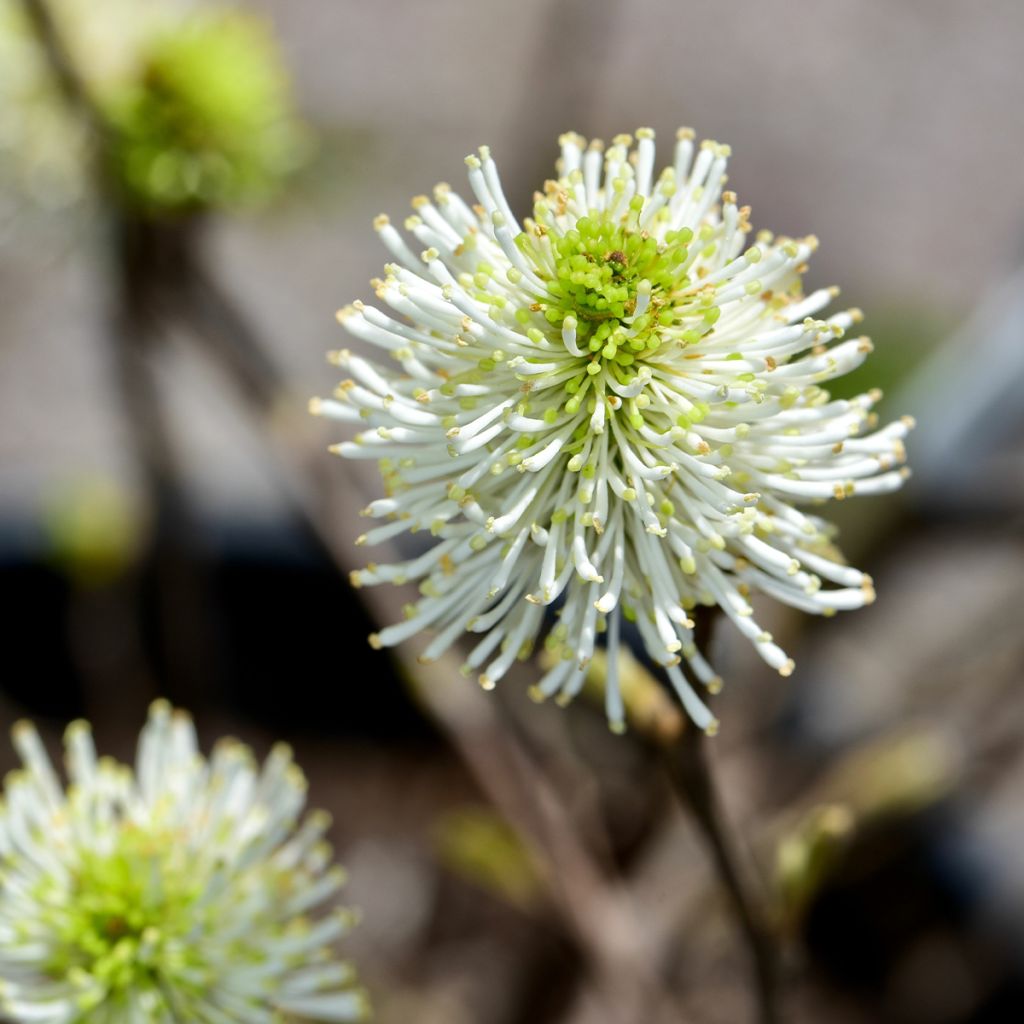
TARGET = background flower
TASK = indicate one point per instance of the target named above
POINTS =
(616, 405)
(182, 891)
(198, 99)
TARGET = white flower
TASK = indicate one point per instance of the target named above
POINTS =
(178, 893)
(616, 404)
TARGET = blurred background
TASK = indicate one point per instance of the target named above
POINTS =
(185, 199)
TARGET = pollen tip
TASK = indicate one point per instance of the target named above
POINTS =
(22, 727)
(79, 727)
(786, 668)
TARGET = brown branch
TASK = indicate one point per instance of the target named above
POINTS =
(70, 83)
(687, 764)
(595, 910)
(686, 761)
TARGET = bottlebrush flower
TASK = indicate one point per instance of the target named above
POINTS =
(616, 405)
(178, 893)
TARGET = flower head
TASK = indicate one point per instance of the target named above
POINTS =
(208, 119)
(616, 405)
(180, 892)
(197, 100)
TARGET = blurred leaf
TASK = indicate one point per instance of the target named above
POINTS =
(902, 336)
(94, 531)
(893, 777)
(805, 856)
(477, 845)
(897, 774)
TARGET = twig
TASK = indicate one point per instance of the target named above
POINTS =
(686, 761)
(65, 74)
(688, 769)
(138, 263)
(594, 909)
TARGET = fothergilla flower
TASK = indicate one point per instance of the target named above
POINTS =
(616, 405)
(186, 890)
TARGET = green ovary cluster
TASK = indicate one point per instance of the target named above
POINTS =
(125, 916)
(617, 282)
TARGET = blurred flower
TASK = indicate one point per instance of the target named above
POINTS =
(177, 893)
(199, 102)
(617, 405)
(208, 119)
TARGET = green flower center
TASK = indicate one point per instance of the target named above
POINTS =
(620, 291)
(125, 918)
(617, 281)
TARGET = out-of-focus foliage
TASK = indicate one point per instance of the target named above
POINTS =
(807, 854)
(199, 103)
(902, 337)
(477, 845)
(896, 776)
(94, 531)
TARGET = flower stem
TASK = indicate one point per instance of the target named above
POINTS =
(687, 764)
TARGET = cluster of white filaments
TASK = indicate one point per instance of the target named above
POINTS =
(613, 408)
(185, 891)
